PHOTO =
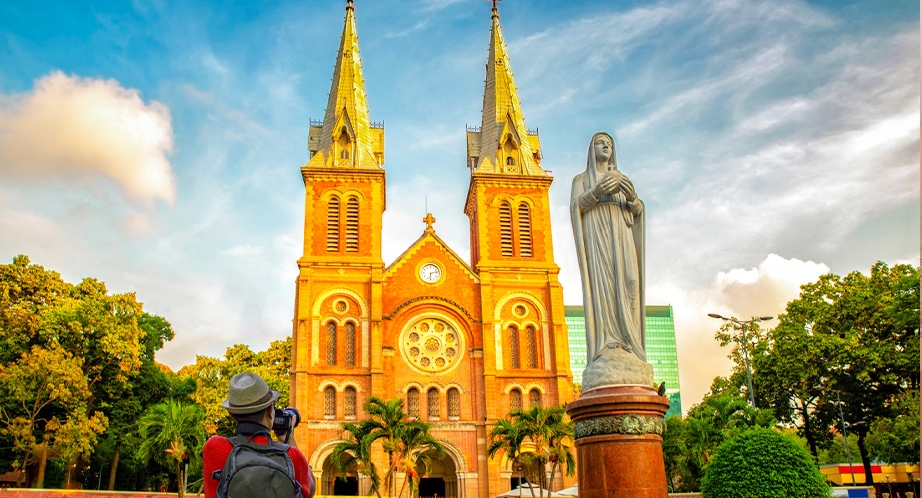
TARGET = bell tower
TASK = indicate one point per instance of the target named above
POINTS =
(337, 316)
(524, 332)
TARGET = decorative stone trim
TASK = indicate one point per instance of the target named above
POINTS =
(619, 424)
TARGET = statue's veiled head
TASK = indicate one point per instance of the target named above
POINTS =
(601, 158)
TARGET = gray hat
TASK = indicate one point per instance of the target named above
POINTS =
(248, 394)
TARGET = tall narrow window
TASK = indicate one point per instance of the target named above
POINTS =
(349, 402)
(534, 398)
(454, 403)
(531, 342)
(352, 224)
(524, 230)
(432, 399)
(350, 344)
(333, 224)
(505, 228)
(514, 347)
(331, 343)
(329, 402)
(515, 400)
(413, 402)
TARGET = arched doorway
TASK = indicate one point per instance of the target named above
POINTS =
(442, 478)
(333, 484)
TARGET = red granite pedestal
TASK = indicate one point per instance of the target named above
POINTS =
(618, 432)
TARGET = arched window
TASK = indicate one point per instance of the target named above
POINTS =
(329, 402)
(534, 398)
(505, 228)
(333, 224)
(432, 399)
(510, 161)
(350, 344)
(524, 230)
(454, 403)
(514, 347)
(352, 224)
(344, 154)
(515, 400)
(413, 402)
(531, 343)
(350, 402)
(331, 343)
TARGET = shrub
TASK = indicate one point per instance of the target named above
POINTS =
(762, 463)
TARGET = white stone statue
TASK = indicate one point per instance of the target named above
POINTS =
(608, 225)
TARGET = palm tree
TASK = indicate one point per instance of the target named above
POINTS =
(533, 438)
(354, 452)
(416, 445)
(386, 422)
(172, 432)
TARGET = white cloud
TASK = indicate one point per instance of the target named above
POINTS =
(82, 128)
(743, 293)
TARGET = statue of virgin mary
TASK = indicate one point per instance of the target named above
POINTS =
(608, 225)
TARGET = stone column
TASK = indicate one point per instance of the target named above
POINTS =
(618, 432)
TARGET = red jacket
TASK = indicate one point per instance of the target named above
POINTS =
(218, 448)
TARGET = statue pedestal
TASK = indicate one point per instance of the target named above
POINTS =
(618, 432)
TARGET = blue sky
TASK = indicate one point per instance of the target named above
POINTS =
(157, 145)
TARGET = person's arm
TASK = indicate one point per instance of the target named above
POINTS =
(303, 472)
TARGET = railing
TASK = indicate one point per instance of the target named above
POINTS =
(378, 125)
(533, 133)
(316, 122)
(474, 129)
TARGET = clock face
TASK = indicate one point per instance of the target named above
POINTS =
(430, 272)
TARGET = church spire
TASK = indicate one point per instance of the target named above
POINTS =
(346, 138)
(504, 144)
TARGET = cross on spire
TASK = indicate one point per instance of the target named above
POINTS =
(429, 220)
(495, 7)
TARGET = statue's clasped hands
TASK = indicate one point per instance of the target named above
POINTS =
(612, 184)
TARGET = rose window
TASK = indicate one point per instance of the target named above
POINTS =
(431, 345)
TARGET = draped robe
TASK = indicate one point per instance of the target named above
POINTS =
(609, 234)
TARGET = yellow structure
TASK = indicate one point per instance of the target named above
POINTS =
(840, 474)
(461, 343)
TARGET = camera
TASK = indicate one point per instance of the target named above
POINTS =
(286, 419)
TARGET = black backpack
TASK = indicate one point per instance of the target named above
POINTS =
(255, 470)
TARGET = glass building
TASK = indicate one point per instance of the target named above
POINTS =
(661, 349)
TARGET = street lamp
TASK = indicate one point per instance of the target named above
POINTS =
(742, 326)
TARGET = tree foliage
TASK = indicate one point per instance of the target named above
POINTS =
(533, 439)
(849, 342)
(172, 433)
(763, 463)
(212, 378)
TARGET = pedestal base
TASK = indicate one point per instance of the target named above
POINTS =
(619, 450)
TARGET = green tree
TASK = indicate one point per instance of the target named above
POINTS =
(859, 335)
(896, 439)
(763, 463)
(212, 378)
(386, 423)
(354, 452)
(416, 446)
(532, 439)
(172, 433)
(34, 384)
(674, 451)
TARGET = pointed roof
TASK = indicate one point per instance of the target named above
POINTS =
(429, 235)
(347, 111)
(503, 129)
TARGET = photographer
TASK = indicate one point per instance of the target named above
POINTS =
(251, 463)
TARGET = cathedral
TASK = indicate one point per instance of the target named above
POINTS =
(461, 343)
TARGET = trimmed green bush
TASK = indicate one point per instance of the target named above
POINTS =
(762, 463)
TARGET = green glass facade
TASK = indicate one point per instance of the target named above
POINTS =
(661, 349)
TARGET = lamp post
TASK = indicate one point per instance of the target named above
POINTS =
(742, 326)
